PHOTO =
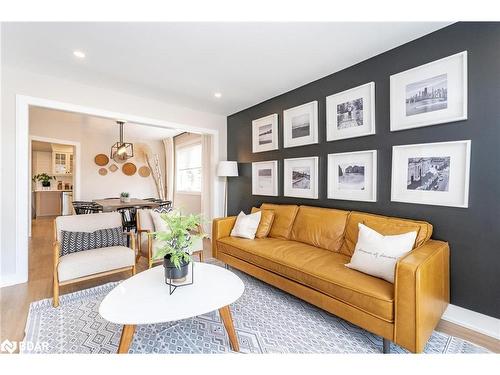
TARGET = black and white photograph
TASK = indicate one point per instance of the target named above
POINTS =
(428, 173)
(351, 113)
(265, 133)
(430, 94)
(301, 177)
(431, 173)
(300, 125)
(264, 178)
(353, 176)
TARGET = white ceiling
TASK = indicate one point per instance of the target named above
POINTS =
(185, 63)
(99, 125)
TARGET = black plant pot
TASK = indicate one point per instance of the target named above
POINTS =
(45, 183)
(174, 273)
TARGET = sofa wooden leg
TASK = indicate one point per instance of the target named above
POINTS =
(134, 270)
(200, 254)
(386, 346)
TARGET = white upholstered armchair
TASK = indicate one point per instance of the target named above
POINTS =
(89, 246)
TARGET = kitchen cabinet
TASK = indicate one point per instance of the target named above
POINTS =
(48, 203)
(62, 163)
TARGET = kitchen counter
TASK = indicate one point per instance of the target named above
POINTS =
(51, 191)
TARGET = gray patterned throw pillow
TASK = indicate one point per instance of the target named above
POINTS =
(72, 242)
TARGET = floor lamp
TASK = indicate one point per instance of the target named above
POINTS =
(227, 169)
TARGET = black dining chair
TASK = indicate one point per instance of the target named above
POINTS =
(128, 218)
(84, 207)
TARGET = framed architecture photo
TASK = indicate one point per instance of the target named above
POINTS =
(265, 178)
(431, 173)
(301, 177)
(430, 94)
(353, 176)
(265, 133)
(351, 113)
(300, 125)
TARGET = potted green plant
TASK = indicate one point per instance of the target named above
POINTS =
(44, 178)
(176, 243)
(124, 197)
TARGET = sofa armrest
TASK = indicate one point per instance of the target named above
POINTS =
(221, 227)
(422, 293)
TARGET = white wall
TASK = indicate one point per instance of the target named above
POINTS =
(96, 135)
(16, 81)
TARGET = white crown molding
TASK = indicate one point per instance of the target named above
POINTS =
(487, 325)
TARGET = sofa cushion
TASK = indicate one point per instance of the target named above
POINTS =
(266, 222)
(89, 262)
(284, 215)
(72, 242)
(317, 268)
(320, 227)
(385, 225)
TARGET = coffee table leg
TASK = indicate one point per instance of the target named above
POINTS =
(225, 314)
(126, 339)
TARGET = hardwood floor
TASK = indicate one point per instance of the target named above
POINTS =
(15, 300)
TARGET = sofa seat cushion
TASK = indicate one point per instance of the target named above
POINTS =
(320, 269)
(89, 262)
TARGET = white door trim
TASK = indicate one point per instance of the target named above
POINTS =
(76, 168)
(23, 103)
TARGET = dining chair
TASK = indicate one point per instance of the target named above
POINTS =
(83, 207)
(128, 218)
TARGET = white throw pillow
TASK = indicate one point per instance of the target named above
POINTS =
(377, 255)
(246, 225)
(160, 225)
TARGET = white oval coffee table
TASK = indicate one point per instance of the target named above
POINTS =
(145, 299)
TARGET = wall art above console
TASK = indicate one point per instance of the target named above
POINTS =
(353, 176)
(351, 113)
(430, 94)
(301, 177)
(431, 173)
(300, 125)
(265, 133)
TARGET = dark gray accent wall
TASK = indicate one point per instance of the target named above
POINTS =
(473, 233)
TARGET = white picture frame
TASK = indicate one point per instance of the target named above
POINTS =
(301, 177)
(265, 133)
(430, 94)
(431, 173)
(353, 176)
(265, 178)
(351, 113)
(300, 125)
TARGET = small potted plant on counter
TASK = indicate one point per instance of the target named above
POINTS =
(176, 243)
(124, 197)
(44, 178)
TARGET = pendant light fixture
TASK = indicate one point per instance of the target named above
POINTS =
(121, 151)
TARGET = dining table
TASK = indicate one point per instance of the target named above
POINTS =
(113, 204)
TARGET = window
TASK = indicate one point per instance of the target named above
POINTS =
(188, 168)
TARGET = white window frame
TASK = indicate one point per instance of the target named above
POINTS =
(187, 144)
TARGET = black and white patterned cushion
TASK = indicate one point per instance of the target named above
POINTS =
(163, 209)
(72, 242)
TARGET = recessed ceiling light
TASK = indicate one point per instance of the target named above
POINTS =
(217, 95)
(79, 54)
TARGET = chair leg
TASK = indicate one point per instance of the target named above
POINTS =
(386, 346)
(134, 270)
(55, 300)
(200, 254)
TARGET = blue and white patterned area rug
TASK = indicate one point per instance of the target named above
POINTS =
(267, 320)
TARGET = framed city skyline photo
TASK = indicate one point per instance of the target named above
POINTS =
(351, 113)
(300, 125)
(430, 94)
(353, 176)
(432, 173)
(265, 178)
(301, 177)
(265, 133)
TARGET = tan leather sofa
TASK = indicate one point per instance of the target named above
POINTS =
(305, 254)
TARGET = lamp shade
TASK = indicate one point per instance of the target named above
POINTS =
(227, 169)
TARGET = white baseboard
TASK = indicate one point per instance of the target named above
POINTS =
(487, 325)
(11, 279)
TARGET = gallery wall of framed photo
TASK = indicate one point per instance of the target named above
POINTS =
(412, 132)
